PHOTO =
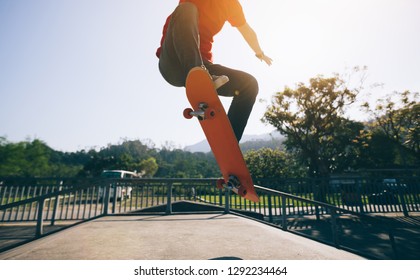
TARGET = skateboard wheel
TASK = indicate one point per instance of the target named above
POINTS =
(187, 113)
(220, 184)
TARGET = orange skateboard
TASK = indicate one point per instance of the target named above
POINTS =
(218, 130)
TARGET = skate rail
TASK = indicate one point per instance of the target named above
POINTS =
(83, 200)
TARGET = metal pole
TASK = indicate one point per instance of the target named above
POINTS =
(283, 213)
(334, 228)
(169, 199)
(56, 203)
(359, 195)
(106, 199)
(40, 220)
(227, 198)
(403, 204)
(114, 198)
(270, 210)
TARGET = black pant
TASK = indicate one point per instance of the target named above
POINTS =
(181, 52)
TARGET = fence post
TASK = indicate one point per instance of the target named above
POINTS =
(227, 201)
(359, 194)
(334, 228)
(107, 188)
(402, 199)
(317, 215)
(283, 213)
(114, 197)
(169, 199)
(56, 203)
(40, 219)
(2, 188)
(270, 210)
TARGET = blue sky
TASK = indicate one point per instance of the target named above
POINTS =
(80, 74)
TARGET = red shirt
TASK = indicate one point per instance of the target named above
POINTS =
(212, 16)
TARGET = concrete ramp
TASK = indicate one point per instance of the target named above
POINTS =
(175, 237)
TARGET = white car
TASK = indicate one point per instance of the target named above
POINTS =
(123, 191)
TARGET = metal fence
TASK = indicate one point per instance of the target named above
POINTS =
(359, 194)
(46, 201)
(364, 195)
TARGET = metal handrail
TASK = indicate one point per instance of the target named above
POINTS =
(40, 200)
(230, 204)
(334, 212)
(107, 184)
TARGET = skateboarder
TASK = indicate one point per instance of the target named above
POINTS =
(187, 42)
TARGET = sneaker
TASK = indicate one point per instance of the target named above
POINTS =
(219, 81)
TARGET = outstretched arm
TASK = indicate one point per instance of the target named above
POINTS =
(251, 38)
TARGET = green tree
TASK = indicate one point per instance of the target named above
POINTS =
(272, 163)
(176, 163)
(397, 117)
(37, 158)
(127, 155)
(12, 158)
(311, 117)
(34, 158)
(148, 167)
(28, 158)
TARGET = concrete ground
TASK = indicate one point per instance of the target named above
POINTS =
(175, 237)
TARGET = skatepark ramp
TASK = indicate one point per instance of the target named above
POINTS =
(48, 205)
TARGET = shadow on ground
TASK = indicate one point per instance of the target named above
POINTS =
(386, 238)
(18, 233)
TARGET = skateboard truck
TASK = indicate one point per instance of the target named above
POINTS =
(202, 113)
(232, 184)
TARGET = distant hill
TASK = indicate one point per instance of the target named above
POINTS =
(248, 142)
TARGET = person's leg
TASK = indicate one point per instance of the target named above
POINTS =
(243, 87)
(181, 47)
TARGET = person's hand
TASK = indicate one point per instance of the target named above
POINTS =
(264, 58)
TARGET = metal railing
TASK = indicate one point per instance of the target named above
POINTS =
(46, 201)
(359, 194)
(50, 200)
(364, 195)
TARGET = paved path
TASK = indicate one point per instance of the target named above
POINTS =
(176, 237)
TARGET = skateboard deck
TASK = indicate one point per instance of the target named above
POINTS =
(206, 106)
